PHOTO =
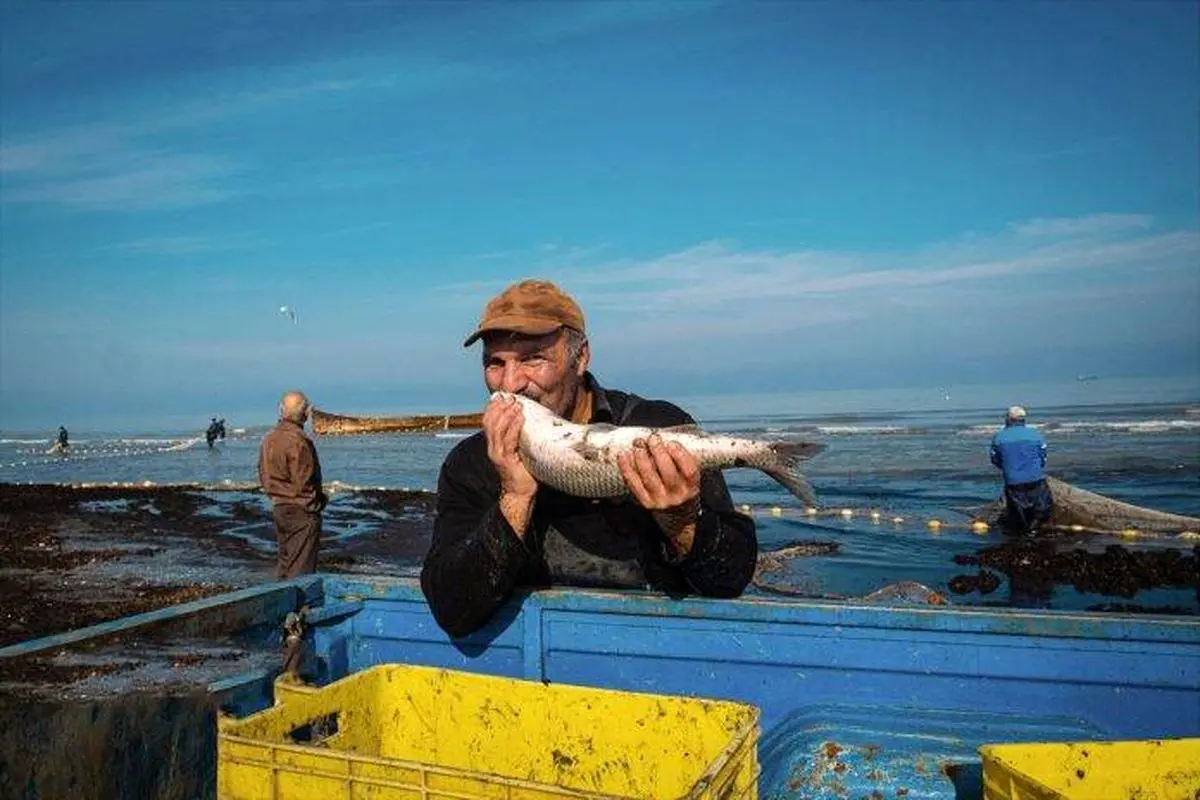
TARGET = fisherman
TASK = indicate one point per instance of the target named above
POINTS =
(63, 444)
(496, 528)
(210, 435)
(289, 473)
(1020, 453)
(221, 429)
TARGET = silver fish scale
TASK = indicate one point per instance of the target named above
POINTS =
(556, 464)
(595, 480)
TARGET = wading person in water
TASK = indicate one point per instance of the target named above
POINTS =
(497, 529)
(1020, 453)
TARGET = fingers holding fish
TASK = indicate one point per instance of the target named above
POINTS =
(633, 479)
(660, 475)
(502, 423)
(687, 466)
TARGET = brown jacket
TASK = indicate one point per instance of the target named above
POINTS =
(289, 470)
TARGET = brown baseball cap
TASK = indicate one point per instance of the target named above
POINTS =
(533, 307)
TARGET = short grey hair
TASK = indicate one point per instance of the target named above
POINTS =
(294, 406)
(576, 341)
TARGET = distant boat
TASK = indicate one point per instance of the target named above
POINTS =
(1087, 378)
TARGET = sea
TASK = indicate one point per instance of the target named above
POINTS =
(895, 461)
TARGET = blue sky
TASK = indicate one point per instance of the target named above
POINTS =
(750, 196)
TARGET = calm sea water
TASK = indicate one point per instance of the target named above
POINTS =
(919, 455)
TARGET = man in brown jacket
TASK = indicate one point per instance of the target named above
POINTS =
(290, 474)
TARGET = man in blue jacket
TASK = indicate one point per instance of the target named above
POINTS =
(1020, 453)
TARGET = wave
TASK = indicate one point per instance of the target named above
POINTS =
(150, 441)
(857, 430)
(1094, 426)
(184, 445)
(834, 430)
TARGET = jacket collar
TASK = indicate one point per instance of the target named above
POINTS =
(602, 410)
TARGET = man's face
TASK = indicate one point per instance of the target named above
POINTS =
(538, 367)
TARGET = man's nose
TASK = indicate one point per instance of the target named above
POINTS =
(514, 379)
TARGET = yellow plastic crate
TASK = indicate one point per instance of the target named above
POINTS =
(419, 733)
(1157, 769)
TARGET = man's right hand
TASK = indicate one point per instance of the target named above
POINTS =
(502, 421)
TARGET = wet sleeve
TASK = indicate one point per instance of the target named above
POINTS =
(724, 551)
(475, 558)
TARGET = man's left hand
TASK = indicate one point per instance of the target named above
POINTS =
(664, 478)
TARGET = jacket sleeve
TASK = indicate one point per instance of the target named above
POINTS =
(314, 471)
(995, 454)
(475, 558)
(724, 551)
(307, 469)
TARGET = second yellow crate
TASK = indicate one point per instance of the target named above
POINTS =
(400, 732)
(1157, 769)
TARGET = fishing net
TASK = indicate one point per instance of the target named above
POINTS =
(1080, 510)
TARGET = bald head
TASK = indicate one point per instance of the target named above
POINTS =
(294, 406)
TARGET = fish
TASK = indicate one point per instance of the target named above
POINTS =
(581, 460)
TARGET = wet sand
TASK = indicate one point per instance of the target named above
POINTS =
(72, 556)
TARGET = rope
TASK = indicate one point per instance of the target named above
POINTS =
(935, 525)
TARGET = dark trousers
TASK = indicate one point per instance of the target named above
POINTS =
(298, 534)
(1028, 506)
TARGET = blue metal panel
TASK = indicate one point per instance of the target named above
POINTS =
(243, 694)
(367, 652)
(931, 668)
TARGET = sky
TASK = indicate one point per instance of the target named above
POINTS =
(751, 197)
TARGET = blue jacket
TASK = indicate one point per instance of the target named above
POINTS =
(1020, 452)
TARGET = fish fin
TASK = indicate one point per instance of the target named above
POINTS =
(588, 451)
(687, 428)
(784, 467)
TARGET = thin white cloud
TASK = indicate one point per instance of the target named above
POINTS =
(164, 246)
(160, 181)
(677, 296)
(113, 164)
(87, 146)
(1092, 225)
(561, 22)
(1080, 148)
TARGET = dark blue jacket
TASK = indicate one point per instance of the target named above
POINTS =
(1020, 452)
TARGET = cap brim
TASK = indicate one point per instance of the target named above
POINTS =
(522, 325)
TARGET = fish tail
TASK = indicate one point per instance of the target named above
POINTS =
(782, 462)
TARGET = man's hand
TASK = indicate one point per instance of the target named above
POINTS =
(664, 478)
(502, 421)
